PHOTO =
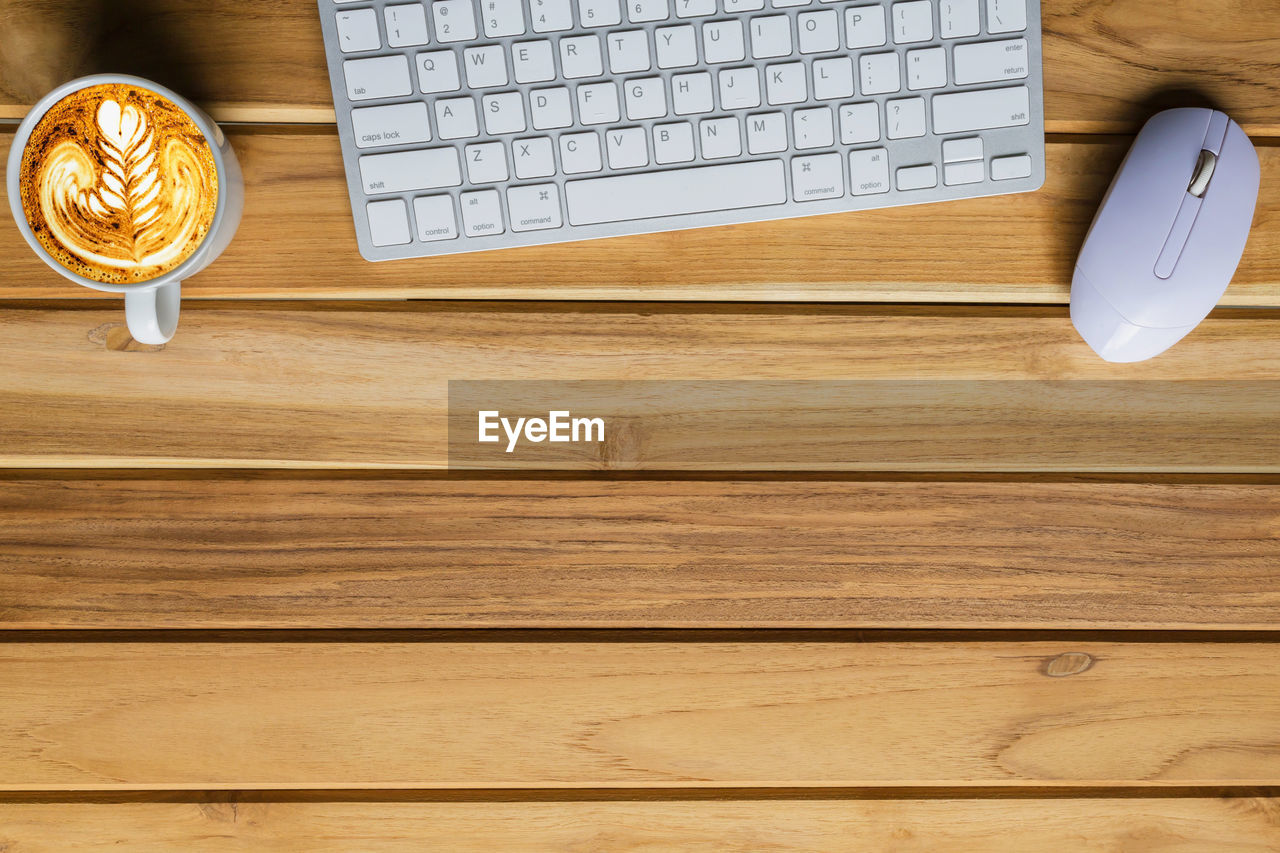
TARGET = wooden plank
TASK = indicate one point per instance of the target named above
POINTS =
(408, 553)
(297, 240)
(995, 826)
(1107, 65)
(305, 386)
(205, 716)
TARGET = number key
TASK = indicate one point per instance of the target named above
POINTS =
(502, 18)
(455, 20)
(639, 11)
(602, 13)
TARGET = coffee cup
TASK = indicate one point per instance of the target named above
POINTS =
(127, 188)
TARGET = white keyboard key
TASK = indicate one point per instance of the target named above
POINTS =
(580, 152)
(550, 108)
(534, 208)
(602, 13)
(958, 18)
(694, 8)
(691, 93)
(676, 46)
(917, 177)
(956, 150)
(785, 84)
(860, 123)
(641, 11)
(398, 124)
(551, 15)
(533, 62)
(358, 31)
(869, 171)
(957, 112)
(628, 51)
(533, 158)
(455, 20)
(1008, 168)
(817, 177)
(647, 194)
(481, 213)
(732, 7)
(819, 31)
(406, 25)
(580, 57)
(379, 77)
(438, 72)
(783, 4)
(486, 66)
(956, 174)
(766, 133)
(912, 21)
(1006, 16)
(388, 222)
(434, 215)
(879, 73)
(739, 88)
(598, 103)
(988, 62)
(486, 162)
(904, 118)
(502, 18)
(722, 41)
(813, 128)
(673, 143)
(832, 78)
(720, 137)
(927, 68)
(770, 36)
(626, 148)
(646, 98)
(503, 112)
(456, 118)
(864, 26)
(423, 169)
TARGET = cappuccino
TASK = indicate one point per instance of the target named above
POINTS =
(118, 184)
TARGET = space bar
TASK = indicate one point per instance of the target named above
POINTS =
(644, 195)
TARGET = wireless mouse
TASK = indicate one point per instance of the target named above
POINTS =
(1168, 236)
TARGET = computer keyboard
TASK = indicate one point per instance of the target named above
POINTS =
(484, 124)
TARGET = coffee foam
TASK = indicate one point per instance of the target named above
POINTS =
(118, 184)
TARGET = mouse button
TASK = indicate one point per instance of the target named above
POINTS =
(1216, 132)
(1178, 234)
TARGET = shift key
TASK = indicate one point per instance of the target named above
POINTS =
(427, 169)
(987, 108)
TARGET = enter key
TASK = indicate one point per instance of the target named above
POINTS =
(990, 61)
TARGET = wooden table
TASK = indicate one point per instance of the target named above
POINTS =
(246, 608)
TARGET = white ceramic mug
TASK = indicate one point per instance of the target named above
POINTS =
(150, 307)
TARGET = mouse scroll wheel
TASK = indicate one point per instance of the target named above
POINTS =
(1203, 173)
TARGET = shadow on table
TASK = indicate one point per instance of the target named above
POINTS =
(140, 37)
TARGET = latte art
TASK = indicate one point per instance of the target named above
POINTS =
(118, 184)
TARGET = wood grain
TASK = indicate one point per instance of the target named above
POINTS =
(366, 387)
(404, 553)
(297, 240)
(1107, 65)
(157, 715)
(1194, 825)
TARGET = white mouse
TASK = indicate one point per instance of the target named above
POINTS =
(1168, 236)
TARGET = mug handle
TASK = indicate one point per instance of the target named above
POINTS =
(152, 314)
